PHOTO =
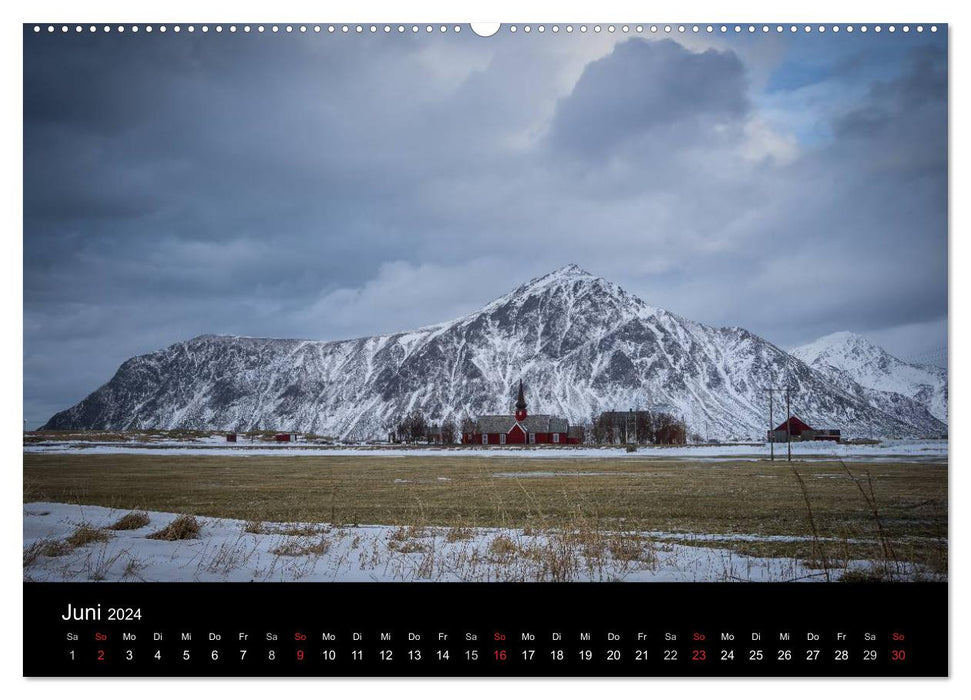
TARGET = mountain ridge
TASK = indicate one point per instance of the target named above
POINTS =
(581, 344)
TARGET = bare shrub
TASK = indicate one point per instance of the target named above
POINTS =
(184, 527)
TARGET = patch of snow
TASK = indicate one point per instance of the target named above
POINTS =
(225, 551)
(889, 450)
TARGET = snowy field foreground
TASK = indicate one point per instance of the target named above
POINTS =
(887, 450)
(75, 543)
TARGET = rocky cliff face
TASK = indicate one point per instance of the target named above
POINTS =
(581, 345)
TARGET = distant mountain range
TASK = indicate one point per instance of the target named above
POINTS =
(580, 343)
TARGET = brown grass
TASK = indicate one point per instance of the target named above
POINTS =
(45, 548)
(407, 540)
(638, 493)
(502, 546)
(184, 527)
(458, 534)
(300, 548)
(131, 521)
(84, 534)
(630, 548)
(293, 529)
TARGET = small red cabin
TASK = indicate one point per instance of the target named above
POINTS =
(230, 437)
(285, 437)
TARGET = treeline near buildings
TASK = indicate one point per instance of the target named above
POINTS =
(637, 428)
(414, 427)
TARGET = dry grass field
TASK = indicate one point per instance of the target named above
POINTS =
(814, 511)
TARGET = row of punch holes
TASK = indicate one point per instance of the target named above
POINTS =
(512, 28)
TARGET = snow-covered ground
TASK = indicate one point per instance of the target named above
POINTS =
(229, 550)
(887, 450)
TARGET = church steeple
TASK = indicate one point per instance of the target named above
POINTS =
(521, 403)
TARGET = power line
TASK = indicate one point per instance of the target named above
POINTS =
(771, 390)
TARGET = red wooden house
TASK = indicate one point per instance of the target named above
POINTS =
(521, 428)
(798, 431)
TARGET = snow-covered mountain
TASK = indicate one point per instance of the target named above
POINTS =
(580, 343)
(848, 355)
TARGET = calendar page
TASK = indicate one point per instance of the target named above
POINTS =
(551, 349)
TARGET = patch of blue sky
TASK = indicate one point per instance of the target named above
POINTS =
(820, 76)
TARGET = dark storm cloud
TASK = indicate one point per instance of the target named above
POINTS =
(644, 87)
(333, 186)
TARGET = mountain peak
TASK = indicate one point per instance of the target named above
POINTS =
(568, 272)
(550, 282)
(844, 337)
(840, 341)
(572, 269)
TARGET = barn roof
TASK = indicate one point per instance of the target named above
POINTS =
(796, 426)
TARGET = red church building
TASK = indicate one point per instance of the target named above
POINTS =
(521, 428)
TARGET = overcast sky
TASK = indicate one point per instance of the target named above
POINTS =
(325, 186)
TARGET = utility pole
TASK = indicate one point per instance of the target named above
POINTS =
(788, 428)
(771, 429)
(771, 390)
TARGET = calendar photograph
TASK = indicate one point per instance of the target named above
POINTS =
(425, 304)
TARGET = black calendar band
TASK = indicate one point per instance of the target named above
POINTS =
(435, 629)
